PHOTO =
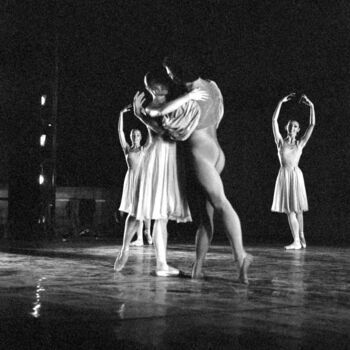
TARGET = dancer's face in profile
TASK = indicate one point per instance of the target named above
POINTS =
(159, 89)
(293, 128)
(136, 137)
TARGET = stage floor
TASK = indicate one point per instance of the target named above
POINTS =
(67, 296)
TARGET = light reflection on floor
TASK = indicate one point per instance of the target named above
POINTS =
(68, 296)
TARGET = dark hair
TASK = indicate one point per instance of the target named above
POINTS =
(291, 121)
(157, 78)
(185, 67)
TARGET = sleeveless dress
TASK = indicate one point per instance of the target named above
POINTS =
(195, 115)
(160, 191)
(133, 161)
(290, 193)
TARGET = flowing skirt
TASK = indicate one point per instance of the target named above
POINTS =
(160, 192)
(290, 194)
(128, 190)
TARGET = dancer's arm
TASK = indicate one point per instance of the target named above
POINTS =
(122, 139)
(141, 114)
(149, 139)
(171, 106)
(312, 122)
(275, 128)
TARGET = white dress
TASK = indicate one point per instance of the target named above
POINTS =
(133, 161)
(160, 191)
(290, 194)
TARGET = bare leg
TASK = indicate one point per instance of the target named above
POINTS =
(204, 237)
(294, 227)
(139, 241)
(131, 225)
(300, 219)
(211, 182)
(148, 231)
(160, 238)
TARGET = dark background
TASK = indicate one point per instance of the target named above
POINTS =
(256, 51)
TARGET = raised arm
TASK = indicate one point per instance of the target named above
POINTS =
(122, 139)
(312, 121)
(141, 114)
(275, 128)
(171, 106)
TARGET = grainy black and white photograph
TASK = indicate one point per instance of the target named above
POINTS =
(174, 174)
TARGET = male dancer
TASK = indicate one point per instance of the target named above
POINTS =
(208, 160)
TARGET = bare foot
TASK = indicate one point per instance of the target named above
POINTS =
(293, 246)
(197, 270)
(137, 243)
(243, 271)
(302, 240)
(166, 271)
(121, 260)
(149, 239)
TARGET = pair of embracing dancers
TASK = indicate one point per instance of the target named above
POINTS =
(153, 188)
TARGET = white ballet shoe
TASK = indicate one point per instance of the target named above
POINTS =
(167, 271)
(294, 246)
(121, 260)
(137, 243)
(149, 238)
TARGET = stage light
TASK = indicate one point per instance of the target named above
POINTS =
(41, 179)
(43, 100)
(42, 140)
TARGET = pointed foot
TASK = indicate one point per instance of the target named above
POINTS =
(197, 271)
(121, 260)
(243, 273)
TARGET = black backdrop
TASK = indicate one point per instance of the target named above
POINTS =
(257, 51)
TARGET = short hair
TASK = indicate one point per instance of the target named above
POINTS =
(185, 67)
(154, 78)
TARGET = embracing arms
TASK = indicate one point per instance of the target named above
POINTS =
(171, 106)
(140, 113)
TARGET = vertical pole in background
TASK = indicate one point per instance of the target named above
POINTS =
(54, 134)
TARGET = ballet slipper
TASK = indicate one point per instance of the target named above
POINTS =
(302, 240)
(294, 245)
(149, 238)
(121, 260)
(243, 271)
(167, 271)
(137, 243)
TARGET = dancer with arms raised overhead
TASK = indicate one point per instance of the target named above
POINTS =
(290, 194)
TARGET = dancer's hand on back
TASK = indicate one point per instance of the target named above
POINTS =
(139, 99)
(198, 95)
(304, 99)
(288, 97)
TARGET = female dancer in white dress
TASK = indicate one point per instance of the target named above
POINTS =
(290, 194)
(159, 195)
(133, 156)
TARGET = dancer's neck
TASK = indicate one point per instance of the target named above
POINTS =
(194, 84)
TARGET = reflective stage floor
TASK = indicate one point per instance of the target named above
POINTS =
(67, 296)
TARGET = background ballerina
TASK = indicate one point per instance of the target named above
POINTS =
(133, 156)
(290, 194)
